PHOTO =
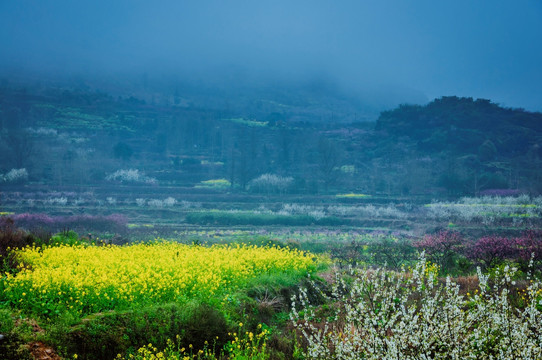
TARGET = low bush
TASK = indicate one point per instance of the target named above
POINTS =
(215, 184)
(6, 322)
(11, 342)
(11, 238)
(13, 347)
(244, 344)
(104, 336)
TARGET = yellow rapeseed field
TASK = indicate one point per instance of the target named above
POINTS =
(88, 279)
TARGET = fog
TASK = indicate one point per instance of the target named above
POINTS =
(392, 51)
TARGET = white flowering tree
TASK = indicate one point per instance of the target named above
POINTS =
(270, 183)
(15, 176)
(130, 175)
(382, 314)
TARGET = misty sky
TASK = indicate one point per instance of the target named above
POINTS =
(490, 49)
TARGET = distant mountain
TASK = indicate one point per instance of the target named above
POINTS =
(462, 125)
(470, 145)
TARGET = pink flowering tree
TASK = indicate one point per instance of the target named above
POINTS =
(529, 248)
(530, 245)
(489, 251)
(442, 248)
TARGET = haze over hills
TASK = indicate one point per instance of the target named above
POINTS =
(314, 134)
(383, 48)
(312, 90)
(311, 100)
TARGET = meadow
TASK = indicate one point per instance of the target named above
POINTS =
(72, 288)
(277, 281)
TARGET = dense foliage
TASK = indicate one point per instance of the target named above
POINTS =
(451, 146)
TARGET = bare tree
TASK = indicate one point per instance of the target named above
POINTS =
(328, 161)
(21, 146)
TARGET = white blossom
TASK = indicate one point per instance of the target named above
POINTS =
(411, 315)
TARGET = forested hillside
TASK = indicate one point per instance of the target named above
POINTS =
(451, 146)
(477, 144)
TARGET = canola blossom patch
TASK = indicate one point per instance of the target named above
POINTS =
(84, 280)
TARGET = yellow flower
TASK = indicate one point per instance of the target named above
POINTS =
(97, 278)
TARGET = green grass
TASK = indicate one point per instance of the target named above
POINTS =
(216, 184)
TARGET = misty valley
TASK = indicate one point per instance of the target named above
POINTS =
(285, 222)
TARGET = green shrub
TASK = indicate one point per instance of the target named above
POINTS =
(11, 344)
(11, 237)
(216, 184)
(497, 270)
(68, 237)
(12, 347)
(6, 321)
(103, 336)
